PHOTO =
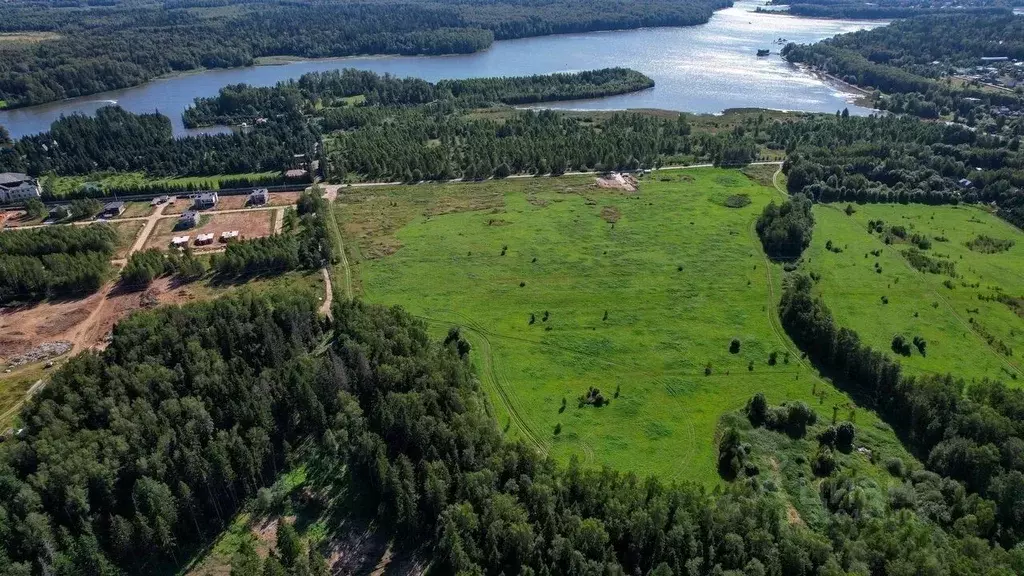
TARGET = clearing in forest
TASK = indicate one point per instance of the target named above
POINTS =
(557, 298)
(952, 276)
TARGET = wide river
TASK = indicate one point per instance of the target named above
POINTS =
(704, 69)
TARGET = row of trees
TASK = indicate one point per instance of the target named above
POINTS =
(56, 261)
(106, 48)
(975, 438)
(145, 266)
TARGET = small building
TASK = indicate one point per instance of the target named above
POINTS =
(112, 209)
(295, 173)
(228, 236)
(965, 183)
(18, 187)
(204, 239)
(179, 241)
(189, 219)
(205, 200)
(259, 197)
(160, 200)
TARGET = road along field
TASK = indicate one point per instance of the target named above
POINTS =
(562, 286)
(967, 304)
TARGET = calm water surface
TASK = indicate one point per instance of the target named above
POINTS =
(704, 69)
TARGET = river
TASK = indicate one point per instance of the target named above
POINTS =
(702, 69)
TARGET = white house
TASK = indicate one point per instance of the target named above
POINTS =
(16, 187)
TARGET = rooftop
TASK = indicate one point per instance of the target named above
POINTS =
(13, 177)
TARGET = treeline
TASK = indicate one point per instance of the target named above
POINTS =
(145, 266)
(304, 243)
(900, 159)
(242, 103)
(54, 262)
(107, 48)
(975, 439)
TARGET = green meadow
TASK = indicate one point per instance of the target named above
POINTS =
(562, 286)
(971, 320)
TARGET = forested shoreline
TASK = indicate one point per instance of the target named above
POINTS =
(911, 63)
(101, 48)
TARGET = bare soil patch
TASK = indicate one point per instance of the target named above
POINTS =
(619, 181)
(254, 224)
(465, 199)
(610, 214)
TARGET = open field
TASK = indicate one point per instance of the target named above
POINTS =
(25, 38)
(965, 334)
(635, 294)
(250, 224)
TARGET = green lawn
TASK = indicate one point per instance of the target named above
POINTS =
(679, 275)
(955, 322)
(64, 185)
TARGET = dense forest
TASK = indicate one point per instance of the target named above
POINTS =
(56, 261)
(202, 405)
(910, 62)
(124, 44)
(900, 159)
(117, 140)
(405, 129)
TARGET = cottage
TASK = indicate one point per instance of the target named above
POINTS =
(204, 239)
(17, 187)
(259, 197)
(189, 219)
(228, 236)
(112, 209)
(179, 241)
(205, 200)
(160, 200)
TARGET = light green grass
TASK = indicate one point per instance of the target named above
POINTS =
(854, 291)
(64, 185)
(664, 324)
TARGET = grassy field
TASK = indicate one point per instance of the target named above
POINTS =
(636, 294)
(64, 185)
(966, 335)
